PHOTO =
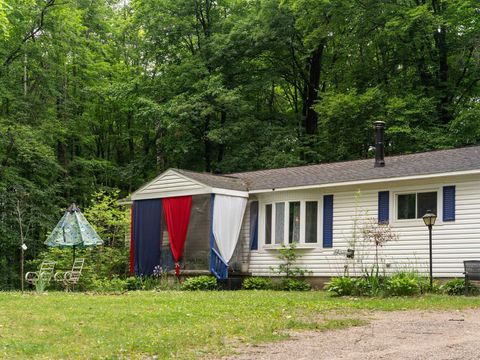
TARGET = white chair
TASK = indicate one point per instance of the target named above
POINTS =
(45, 273)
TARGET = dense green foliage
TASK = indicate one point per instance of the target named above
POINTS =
(200, 283)
(458, 287)
(399, 284)
(101, 264)
(292, 284)
(106, 94)
(257, 283)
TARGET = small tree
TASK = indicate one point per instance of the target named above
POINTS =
(108, 217)
(377, 234)
(289, 258)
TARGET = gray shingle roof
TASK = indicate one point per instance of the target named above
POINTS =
(426, 163)
(218, 181)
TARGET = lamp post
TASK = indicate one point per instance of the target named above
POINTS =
(429, 220)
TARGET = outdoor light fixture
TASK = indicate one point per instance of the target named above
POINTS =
(429, 220)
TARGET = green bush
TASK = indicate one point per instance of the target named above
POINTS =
(257, 283)
(292, 284)
(109, 285)
(368, 286)
(100, 263)
(457, 287)
(341, 286)
(200, 283)
(399, 284)
(402, 284)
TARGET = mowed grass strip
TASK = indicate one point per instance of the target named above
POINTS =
(183, 325)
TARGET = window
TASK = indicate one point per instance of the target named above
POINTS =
(311, 221)
(406, 206)
(268, 224)
(279, 222)
(294, 222)
(415, 205)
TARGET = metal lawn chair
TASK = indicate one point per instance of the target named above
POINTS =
(472, 273)
(71, 278)
(45, 273)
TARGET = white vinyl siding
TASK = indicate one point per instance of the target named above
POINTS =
(168, 185)
(453, 241)
(172, 183)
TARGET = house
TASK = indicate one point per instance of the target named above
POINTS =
(237, 222)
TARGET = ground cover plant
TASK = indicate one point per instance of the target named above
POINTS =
(171, 324)
(257, 283)
(459, 287)
(404, 283)
(200, 283)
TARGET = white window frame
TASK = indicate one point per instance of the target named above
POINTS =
(263, 224)
(416, 191)
(302, 237)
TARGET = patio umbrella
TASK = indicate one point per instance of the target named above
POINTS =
(73, 230)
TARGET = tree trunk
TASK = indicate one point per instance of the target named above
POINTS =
(207, 146)
(160, 160)
(444, 97)
(221, 147)
(25, 62)
(131, 145)
(444, 111)
(315, 69)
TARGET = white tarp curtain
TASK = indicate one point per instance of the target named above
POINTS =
(227, 219)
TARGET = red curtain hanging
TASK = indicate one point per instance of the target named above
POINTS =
(132, 243)
(177, 217)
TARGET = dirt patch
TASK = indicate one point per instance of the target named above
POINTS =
(389, 335)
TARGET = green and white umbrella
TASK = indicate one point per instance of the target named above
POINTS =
(73, 230)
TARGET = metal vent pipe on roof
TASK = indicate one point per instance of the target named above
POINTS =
(379, 144)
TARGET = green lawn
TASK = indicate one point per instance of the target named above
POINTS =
(183, 325)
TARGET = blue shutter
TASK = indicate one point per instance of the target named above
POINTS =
(449, 203)
(383, 207)
(327, 221)
(254, 225)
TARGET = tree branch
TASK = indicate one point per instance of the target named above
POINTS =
(31, 33)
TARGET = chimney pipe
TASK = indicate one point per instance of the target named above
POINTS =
(379, 145)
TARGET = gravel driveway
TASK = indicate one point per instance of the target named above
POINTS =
(389, 335)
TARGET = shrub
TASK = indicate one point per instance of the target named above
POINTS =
(289, 256)
(109, 285)
(368, 286)
(454, 287)
(291, 284)
(108, 217)
(200, 283)
(457, 287)
(257, 283)
(341, 286)
(100, 263)
(402, 284)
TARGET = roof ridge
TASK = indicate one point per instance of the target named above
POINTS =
(355, 160)
(229, 176)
